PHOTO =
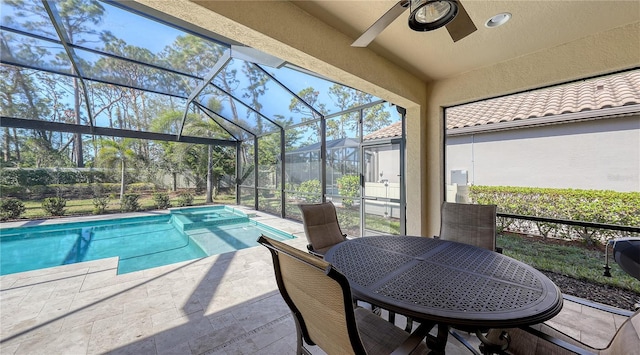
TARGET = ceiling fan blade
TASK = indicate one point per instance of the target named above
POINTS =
(462, 25)
(372, 32)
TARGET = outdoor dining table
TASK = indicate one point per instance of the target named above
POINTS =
(446, 283)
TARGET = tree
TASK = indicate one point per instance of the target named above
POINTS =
(169, 156)
(375, 118)
(309, 95)
(346, 125)
(35, 95)
(210, 162)
(79, 18)
(207, 163)
(197, 56)
(113, 153)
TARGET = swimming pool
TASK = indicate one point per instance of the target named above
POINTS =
(139, 242)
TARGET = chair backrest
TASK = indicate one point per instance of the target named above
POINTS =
(626, 252)
(319, 297)
(469, 224)
(627, 338)
(321, 226)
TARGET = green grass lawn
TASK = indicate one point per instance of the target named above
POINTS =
(575, 261)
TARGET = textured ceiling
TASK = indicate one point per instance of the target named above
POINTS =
(535, 26)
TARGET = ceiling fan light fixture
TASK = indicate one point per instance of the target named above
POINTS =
(428, 15)
(498, 20)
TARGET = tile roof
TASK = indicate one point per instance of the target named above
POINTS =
(616, 90)
(394, 130)
(622, 89)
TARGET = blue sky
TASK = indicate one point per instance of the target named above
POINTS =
(143, 32)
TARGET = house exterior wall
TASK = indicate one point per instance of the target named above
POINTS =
(386, 165)
(603, 53)
(599, 154)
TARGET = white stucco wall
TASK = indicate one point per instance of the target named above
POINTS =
(600, 154)
(388, 164)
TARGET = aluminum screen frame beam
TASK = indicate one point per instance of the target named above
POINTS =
(105, 131)
(222, 61)
(54, 16)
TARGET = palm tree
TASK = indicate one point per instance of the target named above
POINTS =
(112, 152)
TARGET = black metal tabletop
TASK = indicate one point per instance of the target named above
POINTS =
(445, 282)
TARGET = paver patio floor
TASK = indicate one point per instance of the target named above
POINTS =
(224, 304)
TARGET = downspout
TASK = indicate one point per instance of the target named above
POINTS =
(323, 159)
(473, 159)
(255, 172)
(282, 174)
(403, 169)
(238, 172)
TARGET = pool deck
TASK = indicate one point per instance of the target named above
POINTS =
(223, 304)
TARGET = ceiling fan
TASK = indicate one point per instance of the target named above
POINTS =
(426, 15)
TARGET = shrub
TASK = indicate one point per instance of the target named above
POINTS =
(54, 206)
(310, 190)
(348, 187)
(161, 200)
(601, 206)
(185, 199)
(100, 204)
(130, 203)
(11, 208)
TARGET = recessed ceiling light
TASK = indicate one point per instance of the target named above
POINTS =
(498, 20)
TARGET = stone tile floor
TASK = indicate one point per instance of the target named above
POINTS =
(224, 304)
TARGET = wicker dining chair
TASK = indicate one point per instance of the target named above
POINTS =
(321, 227)
(469, 224)
(319, 297)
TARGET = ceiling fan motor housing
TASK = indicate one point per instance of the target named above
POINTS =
(419, 7)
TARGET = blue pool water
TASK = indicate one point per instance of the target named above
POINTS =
(139, 242)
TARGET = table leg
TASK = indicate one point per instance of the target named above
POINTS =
(490, 346)
(437, 344)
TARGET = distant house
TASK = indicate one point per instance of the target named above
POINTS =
(384, 166)
(342, 159)
(582, 135)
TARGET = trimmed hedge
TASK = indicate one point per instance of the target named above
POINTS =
(39, 192)
(33, 177)
(138, 187)
(601, 206)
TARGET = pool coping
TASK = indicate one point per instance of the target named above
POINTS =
(102, 217)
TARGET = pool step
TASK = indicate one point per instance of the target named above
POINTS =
(184, 223)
